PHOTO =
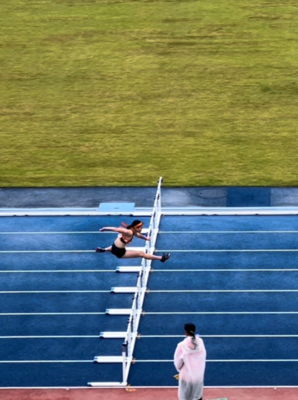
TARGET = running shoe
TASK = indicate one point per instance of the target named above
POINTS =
(100, 250)
(165, 257)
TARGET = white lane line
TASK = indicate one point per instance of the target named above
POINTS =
(224, 361)
(222, 232)
(53, 291)
(51, 313)
(225, 291)
(236, 361)
(225, 250)
(60, 251)
(52, 337)
(52, 233)
(224, 270)
(63, 233)
(47, 251)
(137, 361)
(54, 271)
(216, 336)
(157, 251)
(146, 313)
(43, 361)
(218, 312)
(160, 232)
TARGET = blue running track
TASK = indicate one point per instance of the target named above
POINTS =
(235, 277)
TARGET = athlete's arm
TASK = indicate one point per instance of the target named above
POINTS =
(124, 231)
(140, 236)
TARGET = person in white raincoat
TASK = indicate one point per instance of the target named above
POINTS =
(190, 362)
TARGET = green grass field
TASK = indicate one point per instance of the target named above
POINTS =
(120, 92)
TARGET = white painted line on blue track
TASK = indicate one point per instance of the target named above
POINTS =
(160, 232)
(53, 291)
(144, 361)
(157, 251)
(62, 232)
(265, 360)
(223, 232)
(54, 271)
(218, 312)
(223, 361)
(47, 251)
(74, 271)
(225, 250)
(43, 361)
(51, 233)
(225, 291)
(52, 337)
(52, 313)
(250, 336)
(215, 336)
(224, 270)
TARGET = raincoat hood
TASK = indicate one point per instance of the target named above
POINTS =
(189, 346)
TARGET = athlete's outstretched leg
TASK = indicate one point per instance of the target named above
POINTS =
(103, 249)
(142, 254)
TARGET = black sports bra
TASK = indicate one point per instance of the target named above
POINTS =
(124, 241)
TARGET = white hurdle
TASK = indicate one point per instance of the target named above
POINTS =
(137, 304)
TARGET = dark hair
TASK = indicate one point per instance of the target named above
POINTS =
(190, 329)
(134, 223)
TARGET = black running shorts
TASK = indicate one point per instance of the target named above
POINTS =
(117, 251)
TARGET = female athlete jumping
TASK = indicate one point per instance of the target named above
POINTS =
(125, 237)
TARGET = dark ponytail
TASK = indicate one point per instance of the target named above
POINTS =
(135, 224)
(190, 330)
